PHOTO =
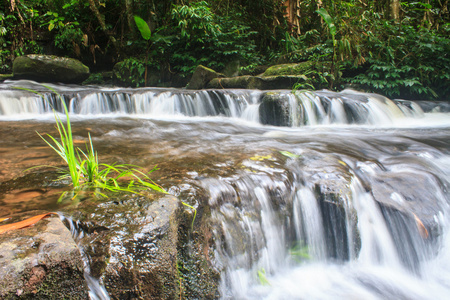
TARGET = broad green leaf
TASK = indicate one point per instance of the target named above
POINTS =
(328, 19)
(146, 33)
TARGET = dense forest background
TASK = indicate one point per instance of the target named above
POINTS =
(400, 49)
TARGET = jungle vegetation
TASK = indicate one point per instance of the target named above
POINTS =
(397, 48)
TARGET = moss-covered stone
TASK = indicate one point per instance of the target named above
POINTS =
(255, 82)
(202, 75)
(41, 262)
(290, 69)
(49, 68)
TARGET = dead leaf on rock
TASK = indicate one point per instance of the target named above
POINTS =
(25, 223)
(422, 230)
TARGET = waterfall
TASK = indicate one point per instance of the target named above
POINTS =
(298, 108)
(364, 260)
(96, 290)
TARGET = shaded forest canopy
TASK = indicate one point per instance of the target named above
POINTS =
(399, 49)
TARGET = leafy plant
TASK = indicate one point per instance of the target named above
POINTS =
(84, 170)
(407, 62)
(146, 34)
(333, 30)
(131, 71)
(145, 31)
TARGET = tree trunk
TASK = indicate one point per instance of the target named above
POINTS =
(293, 14)
(100, 19)
(130, 20)
(394, 9)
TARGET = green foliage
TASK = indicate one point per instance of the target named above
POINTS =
(329, 20)
(407, 62)
(145, 31)
(407, 57)
(95, 78)
(131, 72)
(204, 37)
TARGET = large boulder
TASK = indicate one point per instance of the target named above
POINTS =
(49, 68)
(41, 262)
(202, 75)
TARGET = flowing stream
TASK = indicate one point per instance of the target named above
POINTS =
(316, 195)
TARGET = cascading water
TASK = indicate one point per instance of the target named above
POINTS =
(96, 290)
(306, 108)
(348, 199)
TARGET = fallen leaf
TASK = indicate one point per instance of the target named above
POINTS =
(422, 230)
(3, 219)
(289, 154)
(25, 223)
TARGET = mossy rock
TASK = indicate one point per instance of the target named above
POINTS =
(256, 82)
(202, 75)
(290, 69)
(50, 68)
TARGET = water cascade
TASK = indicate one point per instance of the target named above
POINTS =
(312, 195)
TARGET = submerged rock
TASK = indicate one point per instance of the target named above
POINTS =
(49, 68)
(41, 262)
(274, 110)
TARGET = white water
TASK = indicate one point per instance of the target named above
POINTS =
(96, 290)
(306, 108)
(375, 271)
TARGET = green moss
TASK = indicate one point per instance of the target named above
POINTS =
(290, 69)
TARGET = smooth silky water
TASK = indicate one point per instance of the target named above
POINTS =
(357, 208)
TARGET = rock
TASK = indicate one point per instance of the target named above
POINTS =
(274, 110)
(41, 262)
(132, 244)
(232, 68)
(49, 68)
(202, 75)
(255, 82)
(289, 69)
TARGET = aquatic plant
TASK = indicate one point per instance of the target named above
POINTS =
(84, 170)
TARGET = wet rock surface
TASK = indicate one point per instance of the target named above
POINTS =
(41, 262)
(50, 68)
(131, 243)
(202, 75)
